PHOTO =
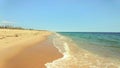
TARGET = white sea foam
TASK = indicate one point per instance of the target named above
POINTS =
(60, 43)
(74, 57)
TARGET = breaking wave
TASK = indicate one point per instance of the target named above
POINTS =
(76, 57)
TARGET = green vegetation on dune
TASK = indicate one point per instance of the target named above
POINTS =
(18, 28)
(10, 27)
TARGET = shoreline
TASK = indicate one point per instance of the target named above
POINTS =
(32, 51)
(77, 57)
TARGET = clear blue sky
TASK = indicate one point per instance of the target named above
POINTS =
(63, 15)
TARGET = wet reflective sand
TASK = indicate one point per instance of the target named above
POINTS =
(34, 57)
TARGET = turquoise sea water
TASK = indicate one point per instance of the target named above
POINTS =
(105, 39)
(103, 43)
(86, 50)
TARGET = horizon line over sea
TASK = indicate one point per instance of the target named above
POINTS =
(87, 32)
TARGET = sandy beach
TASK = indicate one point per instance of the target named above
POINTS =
(26, 49)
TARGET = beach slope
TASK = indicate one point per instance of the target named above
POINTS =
(26, 49)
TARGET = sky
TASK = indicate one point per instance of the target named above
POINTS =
(63, 15)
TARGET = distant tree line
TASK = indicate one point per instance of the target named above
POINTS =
(13, 27)
(10, 27)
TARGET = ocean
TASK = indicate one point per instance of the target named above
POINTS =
(86, 50)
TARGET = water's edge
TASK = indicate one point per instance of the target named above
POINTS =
(75, 57)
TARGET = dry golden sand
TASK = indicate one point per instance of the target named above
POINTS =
(25, 49)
